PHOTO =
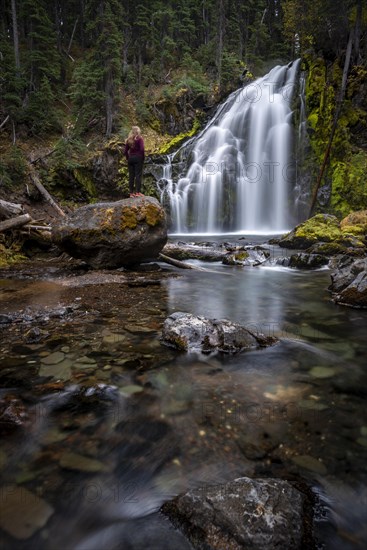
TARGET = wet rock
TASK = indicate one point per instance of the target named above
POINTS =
(80, 463)
(184, 251)
(310, 463)
(304, 261)
(349, 282)
(322, 228)
(35, 335)
(115, 234)
(13, 414)
(22, 513)
(188, 332)
(60, 371)
(5, 319)
(261, 514)
(322, 372)
(53, 358)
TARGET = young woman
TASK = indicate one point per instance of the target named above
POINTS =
(134, 153)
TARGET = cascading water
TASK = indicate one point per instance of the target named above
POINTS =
(241, 176)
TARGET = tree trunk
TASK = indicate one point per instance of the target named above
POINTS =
(44, 192)
(15, 34)
(109, 102)
(220, 39)
(13, 223)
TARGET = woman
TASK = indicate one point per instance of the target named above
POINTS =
(134, 153)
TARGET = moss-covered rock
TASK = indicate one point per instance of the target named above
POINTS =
(115, 234)
(344, 182)
(355, 223)
(320, 228)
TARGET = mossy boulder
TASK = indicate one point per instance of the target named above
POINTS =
(322, 228)
(113, 234)
(355, 223)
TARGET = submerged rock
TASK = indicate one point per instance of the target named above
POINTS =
(113, 234)
(349, 282)
(188, 332)
(304, 261)
(261, 514)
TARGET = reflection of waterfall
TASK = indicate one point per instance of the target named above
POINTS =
(241, 176)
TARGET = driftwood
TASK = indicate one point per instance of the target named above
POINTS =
(183, 265)
(44, 192)
(176, 263)
(9, 209)
(34, 227)
(13, 223)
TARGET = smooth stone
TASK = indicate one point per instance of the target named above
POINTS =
(322, 372)
(74, 461)
(131, 389)
(113, 338)
(60, 371)
(364, 431)
(138, 328)
(362, 441)
(22, 513)
(309, 404)
(310, 463)
(53, 358)
(53, 436)
(86, 360)
(65, 349)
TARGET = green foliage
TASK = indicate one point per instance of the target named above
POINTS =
(13, 167)
(349, 189)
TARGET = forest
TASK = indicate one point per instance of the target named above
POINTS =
(77, 71)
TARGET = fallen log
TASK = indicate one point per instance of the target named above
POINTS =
(175, 263)
(38, 227)
(44, 192)
(13, 223)
(10, 209)
(184, 265)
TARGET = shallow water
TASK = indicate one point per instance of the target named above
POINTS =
(115, 423)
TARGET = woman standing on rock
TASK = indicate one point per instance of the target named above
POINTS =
(134, 153)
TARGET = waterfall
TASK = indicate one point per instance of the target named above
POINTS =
(241, 174)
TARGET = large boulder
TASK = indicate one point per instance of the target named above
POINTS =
(261, 514)
(322, 228)
(349, 282)
(113, 234)
(187, 332)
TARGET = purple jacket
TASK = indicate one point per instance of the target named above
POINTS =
(137, 150)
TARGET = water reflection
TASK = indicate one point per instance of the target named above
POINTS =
(116, 423)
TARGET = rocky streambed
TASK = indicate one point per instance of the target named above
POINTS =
(102, 424)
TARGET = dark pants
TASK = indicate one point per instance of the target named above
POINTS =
(135, 165)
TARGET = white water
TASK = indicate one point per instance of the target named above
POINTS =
(242, 175)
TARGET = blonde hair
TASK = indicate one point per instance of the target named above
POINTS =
(134, 134)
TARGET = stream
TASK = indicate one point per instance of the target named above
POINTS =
(103, 423)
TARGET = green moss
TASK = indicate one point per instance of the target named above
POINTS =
(346, 169)
(319, 228)
(84, 178)
(349, 184)
(241, 256)
(10, 256)
(177, 140)
(153, 215)
(129, 218)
